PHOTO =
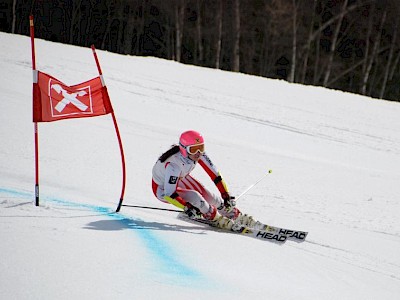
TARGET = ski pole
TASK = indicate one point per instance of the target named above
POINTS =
(254, 184)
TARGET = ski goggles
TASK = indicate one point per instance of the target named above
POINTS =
(193, 149)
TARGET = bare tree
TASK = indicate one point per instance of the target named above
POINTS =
(110, 9)
(333, 43)
(316, 74)
(140, 27)
(307, 46)
(179, 15)
(394, 66)
(236, 47)
(294, 43)
(279, 41)
(127, 44)
(75, 17)
(367, 41)
(371, 60)
(219, 35)
(389, 59)
(14, 16)
(199, 39)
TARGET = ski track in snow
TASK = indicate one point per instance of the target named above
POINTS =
(356, 259)
(323, 131)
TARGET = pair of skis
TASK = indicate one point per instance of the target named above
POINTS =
(259, 231)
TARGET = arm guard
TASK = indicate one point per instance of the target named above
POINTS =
(214, 174)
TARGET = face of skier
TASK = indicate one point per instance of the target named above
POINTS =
(195, 151)
(195, 157)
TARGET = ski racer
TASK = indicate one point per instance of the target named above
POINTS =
(172, 183)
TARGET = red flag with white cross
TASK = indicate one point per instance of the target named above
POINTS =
(54, 100)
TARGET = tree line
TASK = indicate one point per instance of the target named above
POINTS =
(350, 45)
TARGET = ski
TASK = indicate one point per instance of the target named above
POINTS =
(240, 229)
(295, 235)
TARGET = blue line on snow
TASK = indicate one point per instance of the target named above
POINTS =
(166, 262)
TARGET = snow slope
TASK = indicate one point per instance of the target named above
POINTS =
(336, 167)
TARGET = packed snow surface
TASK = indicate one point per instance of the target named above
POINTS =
(335, 159)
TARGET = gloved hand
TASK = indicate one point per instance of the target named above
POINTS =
(191, 211)
(229, 201)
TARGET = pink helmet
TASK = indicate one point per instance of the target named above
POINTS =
(190, 138)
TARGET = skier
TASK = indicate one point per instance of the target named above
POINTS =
(172, 183)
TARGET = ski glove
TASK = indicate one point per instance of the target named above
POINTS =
(229, 201)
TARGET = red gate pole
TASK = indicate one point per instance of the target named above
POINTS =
(36, 131)
(118, 135)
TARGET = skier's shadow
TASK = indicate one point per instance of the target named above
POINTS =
(133, 224)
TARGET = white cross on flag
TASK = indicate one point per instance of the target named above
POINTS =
(54, 100)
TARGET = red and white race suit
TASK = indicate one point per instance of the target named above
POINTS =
(172, 179)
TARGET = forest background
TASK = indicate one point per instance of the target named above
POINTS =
(350, 45)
